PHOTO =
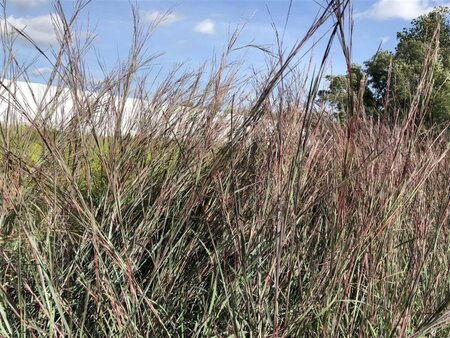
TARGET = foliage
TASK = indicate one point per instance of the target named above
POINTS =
(394, 76)
(338, 93)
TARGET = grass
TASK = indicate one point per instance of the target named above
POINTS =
(238, 217)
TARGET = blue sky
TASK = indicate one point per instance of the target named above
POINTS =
(194, 29)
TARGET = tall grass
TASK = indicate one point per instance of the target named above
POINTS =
(204, 211)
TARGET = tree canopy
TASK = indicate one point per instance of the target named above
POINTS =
(390, 79)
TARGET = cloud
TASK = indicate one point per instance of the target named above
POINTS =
(205, 27)
(399, 9)
(41, 71)
(39, 28)
(385, 39)
(25, 4)
(161, 18)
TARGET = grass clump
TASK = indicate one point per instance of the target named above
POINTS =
(199, 211)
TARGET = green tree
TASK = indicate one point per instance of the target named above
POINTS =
(338, 93)
(394, 76)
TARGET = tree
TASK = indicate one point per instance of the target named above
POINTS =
(394, 76)
(338, 93)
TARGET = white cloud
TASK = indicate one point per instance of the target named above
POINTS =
(39, 28)
(41, 71)
(205, 27)
(385, 39)
(161, 18)
(399, 9)
(27, 3)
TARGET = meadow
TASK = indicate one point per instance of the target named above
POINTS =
(218, 205)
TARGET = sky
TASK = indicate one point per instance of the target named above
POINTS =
(193, 31)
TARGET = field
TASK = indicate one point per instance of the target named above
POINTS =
(209, 210)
